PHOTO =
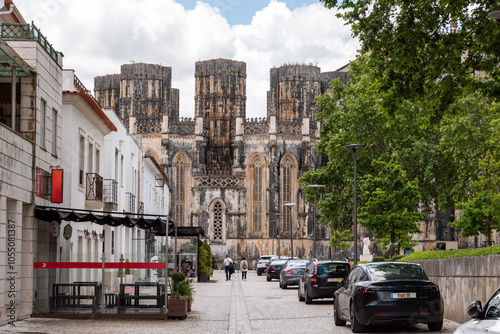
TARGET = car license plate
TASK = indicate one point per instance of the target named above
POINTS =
(334, 279)
(403, 295)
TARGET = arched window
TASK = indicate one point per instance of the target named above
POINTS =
(218, 220)
(180, 172)
(257, 195)
(288, 181)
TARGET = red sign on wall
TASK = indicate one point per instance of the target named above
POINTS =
(57, 186)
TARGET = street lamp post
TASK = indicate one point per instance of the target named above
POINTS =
(274, 233)
(353, 148)
(277, 223)
(290, 206)
(315, 187)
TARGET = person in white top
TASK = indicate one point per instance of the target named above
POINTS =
(244, 268)
(228, 267)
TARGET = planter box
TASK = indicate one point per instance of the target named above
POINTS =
(203, 279)
(177, 308)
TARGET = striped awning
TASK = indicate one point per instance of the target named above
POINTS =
(154, 223)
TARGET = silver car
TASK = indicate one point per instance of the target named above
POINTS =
(484, 320)
(291, 272)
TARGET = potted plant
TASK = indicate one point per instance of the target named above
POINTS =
(205, 262)
(181, 294)
(128, 274)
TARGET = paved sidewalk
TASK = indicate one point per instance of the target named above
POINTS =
(210, 314)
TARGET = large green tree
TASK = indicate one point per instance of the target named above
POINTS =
(391, 205)
(481, 213)
(413, 91)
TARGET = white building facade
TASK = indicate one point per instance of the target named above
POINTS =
(30, 142)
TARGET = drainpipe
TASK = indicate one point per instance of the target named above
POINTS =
(13, 97)
(9, 6)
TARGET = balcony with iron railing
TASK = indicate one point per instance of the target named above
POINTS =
(130, 198)
(28, 31)
(93, 193)
(110, 191)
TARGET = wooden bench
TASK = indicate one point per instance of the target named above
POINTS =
(133, 300)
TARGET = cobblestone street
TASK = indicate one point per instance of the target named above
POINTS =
(251, 306)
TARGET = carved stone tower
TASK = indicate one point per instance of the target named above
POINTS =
(220, 97)
(294, 89)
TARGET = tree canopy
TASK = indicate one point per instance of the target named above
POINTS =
(414, 91)
(417, 53)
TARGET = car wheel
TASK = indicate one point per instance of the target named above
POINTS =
(307, 297)
(435, 326)
(268, 279)
(301, 299)
(283, 286)
(259, 273)
(336, 318)
(356, 327)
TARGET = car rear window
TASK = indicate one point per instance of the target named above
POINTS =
(395, 271)
(333, 268)
(295, 264)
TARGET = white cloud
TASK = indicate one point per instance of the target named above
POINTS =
(97, 37)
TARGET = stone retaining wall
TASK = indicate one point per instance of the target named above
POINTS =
(463, 280)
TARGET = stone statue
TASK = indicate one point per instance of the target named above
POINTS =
(154, 272)
(366, 251)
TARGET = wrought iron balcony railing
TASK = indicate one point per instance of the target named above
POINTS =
(94, 187)
(110, 191)
(131, 202)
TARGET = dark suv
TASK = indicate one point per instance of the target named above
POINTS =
(321, 279)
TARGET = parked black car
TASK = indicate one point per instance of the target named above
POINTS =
(291, 272)
(274, 268)
(321, 279)
(388, 292)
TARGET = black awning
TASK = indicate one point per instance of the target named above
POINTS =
(157, 224)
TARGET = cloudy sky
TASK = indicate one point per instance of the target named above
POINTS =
(97, 36)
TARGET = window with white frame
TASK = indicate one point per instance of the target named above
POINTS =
(54, 132)
(81, 158)
(43, 115)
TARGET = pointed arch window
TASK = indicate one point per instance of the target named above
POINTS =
(181, 166)
(287, 174)
(257, 195)
(218, 220)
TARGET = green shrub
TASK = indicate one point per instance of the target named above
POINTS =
(181, 286)
(205, 259)
(451, 253)
(397, 257)
(378, 259)
(127, 270)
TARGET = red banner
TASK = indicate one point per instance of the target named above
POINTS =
(98, 265)
(57, 186)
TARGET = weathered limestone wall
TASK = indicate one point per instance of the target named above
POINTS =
(107, 91)
(463, 280)
(294, 88)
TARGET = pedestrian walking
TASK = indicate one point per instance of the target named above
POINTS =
(244, 268)
(228, 267)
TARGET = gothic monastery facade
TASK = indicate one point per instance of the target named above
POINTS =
(228, 174)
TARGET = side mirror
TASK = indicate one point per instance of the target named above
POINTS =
(475, 309)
